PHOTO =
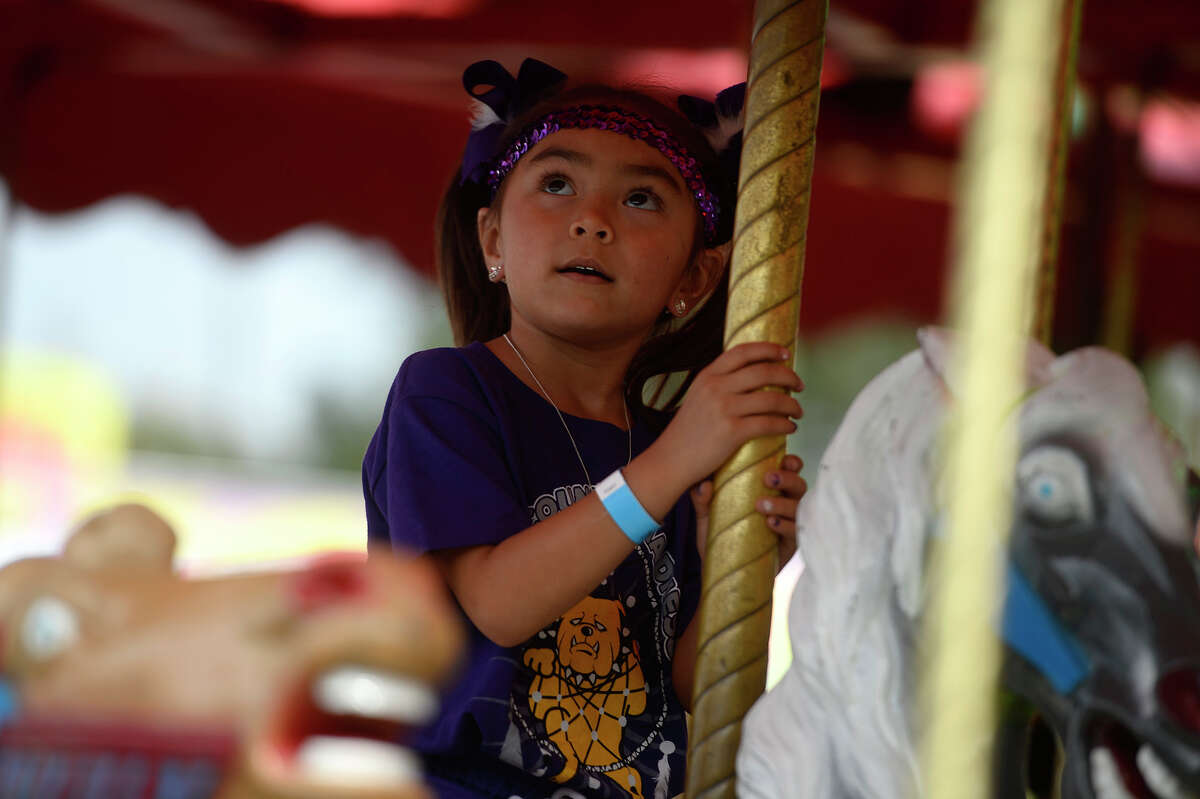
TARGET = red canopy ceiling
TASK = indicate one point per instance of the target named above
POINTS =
(261, 116)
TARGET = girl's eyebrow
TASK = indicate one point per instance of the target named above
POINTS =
(583, 159)
(573, 156)
(651, 171)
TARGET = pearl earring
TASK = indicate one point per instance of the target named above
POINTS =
(496, 272)
(680, 307)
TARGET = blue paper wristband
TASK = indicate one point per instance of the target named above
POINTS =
(624, 508)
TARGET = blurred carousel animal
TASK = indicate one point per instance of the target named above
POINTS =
(1173, 381)
(128, 682)
(1101, 620)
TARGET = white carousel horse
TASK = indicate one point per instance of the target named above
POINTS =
(1102, 628)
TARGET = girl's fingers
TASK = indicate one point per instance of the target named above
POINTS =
(759, 375)
(787, 483)
(791, 463)
(783, 508)
(736, 357)
(787, 546)
(786, 530)
(780, 511)
(762, 424)
(781, 525)
(701, 495)
(765, 402)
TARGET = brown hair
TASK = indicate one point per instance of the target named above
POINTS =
(478, 308)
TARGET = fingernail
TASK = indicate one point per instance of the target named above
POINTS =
(764, 505)
(773, 479)
(773, 521)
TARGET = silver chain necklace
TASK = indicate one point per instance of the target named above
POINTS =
(546, 394)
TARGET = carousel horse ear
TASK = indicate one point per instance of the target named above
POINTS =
(938, 343)
(127, 536)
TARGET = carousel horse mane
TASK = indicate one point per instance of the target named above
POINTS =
(840, 723)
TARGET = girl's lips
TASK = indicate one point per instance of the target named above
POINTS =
(585, 278)
(586, 270)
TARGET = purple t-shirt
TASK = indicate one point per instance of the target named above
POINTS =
(467, 454)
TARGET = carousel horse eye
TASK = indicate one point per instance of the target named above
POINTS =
(49, 627)
(1053, 486)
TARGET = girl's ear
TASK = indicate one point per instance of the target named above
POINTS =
(487, 224)
(699, 281)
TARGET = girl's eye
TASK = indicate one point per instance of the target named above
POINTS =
(644, 199)
(556, 184)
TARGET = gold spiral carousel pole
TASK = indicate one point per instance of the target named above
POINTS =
(997, 247)
(1061, 127)
(764, 305)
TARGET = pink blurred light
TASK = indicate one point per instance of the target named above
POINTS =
(705, 72)
(435, 9)
(1170, 141)
(699, 72)
(944, 96)
(39, 466)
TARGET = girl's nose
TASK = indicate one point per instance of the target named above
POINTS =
(591, 224)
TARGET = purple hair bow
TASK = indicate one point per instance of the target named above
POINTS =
(721, 122)
(494, 86)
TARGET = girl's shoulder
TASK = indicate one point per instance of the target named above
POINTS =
(454, 373)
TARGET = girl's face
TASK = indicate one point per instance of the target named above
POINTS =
(597, 235)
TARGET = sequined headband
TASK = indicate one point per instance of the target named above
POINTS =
(627, 123)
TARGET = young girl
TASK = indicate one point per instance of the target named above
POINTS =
(586, 227)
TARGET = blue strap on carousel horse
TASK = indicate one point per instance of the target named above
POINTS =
(9, 702)
(1031, 629)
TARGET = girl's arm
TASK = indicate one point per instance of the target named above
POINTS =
(512, 589)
